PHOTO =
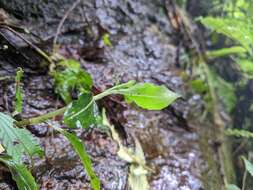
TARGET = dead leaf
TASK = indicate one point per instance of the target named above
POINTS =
(137, 177)
(1, 149)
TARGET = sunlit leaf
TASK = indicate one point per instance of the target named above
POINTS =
(17, 141)
(71, 77)
(149, 96)
(86, 161)
(82, 113)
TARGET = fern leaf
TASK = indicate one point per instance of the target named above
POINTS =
(239, 133)
(235, 29)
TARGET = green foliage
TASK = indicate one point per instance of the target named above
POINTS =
(106, 40)
(248, 166)
(80, 150)
(16, 141)
(242, 9)
(232, 187)
(149, 96)
(225, 90)
(239, 133)
(83, 155)
(20, 174)
(246, 66)
(238, 26)
(199, 86)
(18, 93)
(226, 51)
(82, 113)
(70, 76)
(235, 29)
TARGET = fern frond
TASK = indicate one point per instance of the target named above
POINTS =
(239, 133)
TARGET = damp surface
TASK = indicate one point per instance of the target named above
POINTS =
(142, 50)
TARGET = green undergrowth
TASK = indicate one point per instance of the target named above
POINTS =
(82, 112)
(236, 25)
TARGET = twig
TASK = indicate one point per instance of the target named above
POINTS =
(6, 78)
(42, 118)
(60, 111)
(62, 22)
(37, 49)
(244, 179)
(47, 116)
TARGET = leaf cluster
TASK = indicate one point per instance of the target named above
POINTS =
(80, 113)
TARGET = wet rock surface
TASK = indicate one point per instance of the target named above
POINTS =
(141, 50)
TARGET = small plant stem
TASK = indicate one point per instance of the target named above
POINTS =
(244, 180)
(47, 116)
(5, 78)
(95, 98)
(124, 85)
(103, 94)
(61, 24)
(114, 90)
(42, 118)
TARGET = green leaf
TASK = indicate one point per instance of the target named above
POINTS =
(71, 77)
(18, 92)
(20, 174)
(224, 90)
(106, 40)
(233, 28)
(82, 113)
(149, 96)
(86, 161)
(246, 66)
(232, 187)
(23, 177)
(199, 86)
(16, 141)
(226, 51)
(248, 166)
(239, 133)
